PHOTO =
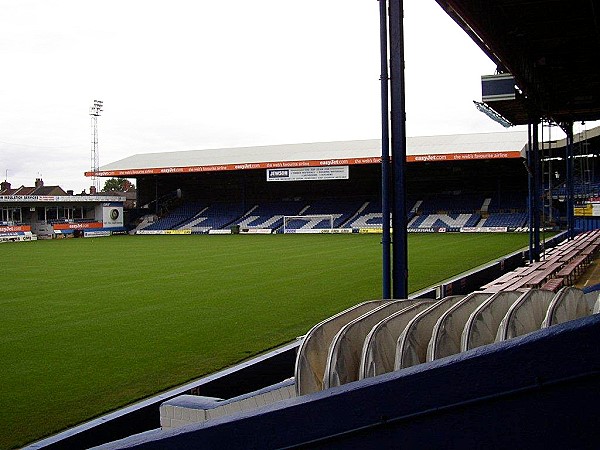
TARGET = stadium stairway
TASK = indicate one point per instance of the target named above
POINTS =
(369, 215)
(146, 221)
(353, 217)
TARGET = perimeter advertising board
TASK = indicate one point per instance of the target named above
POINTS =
(308, 173)
(70, 227)
(111, 214)
(591, 209)
(14, 229)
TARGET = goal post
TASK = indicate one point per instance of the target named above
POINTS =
(313, 220)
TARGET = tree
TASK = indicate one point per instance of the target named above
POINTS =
(118, 184)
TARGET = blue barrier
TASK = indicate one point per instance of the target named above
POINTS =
(535, 391)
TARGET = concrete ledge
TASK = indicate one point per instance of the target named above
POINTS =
(188, 409)
(143, 416)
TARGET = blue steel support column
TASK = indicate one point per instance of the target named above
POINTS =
(385, 153)
(536, 191)
(568, 128)
(530, 190)
(398, 127)
(156, 194)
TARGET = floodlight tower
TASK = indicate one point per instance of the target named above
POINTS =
(95, 111)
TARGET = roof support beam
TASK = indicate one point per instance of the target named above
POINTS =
(398, 128)
(533, 201)
(568, 128)
(385, 153)
(536, 190)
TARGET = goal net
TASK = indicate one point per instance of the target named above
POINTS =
(307, 224)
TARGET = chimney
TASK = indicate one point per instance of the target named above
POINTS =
(39, 182)
(70, 192)
(5, 185)
(92, 190)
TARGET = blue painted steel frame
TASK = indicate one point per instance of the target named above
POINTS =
(398, 127)
(385, 153)
(568, 128)
(530, 190)
(536, 192)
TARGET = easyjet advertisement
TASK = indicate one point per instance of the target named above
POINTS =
(77, 226)
(15, 229)
(303, 163)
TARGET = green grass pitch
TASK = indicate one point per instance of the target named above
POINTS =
(90, 325)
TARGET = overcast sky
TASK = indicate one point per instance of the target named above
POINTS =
(194, 74)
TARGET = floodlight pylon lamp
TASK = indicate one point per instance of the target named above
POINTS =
(96, 108)
(484, 108)
(95, 111)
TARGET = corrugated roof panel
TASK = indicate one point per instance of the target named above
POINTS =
(434, 148)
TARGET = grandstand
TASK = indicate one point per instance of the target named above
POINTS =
(46, 212)
(353, 212)
(253, 189)
(455, 182)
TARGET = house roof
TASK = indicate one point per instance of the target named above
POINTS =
(33, 190)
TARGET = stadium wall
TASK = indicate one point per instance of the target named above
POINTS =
(520, 393)
(586, 224)
(253, 374)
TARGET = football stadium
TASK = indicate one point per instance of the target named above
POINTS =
(398, 292)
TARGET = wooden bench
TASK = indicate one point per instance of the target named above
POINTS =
(553, 284)
(572, 270)
(508, 277)
(521, 282)
(566, 261)
(590, 251)
(569, 255)
(540, 277)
